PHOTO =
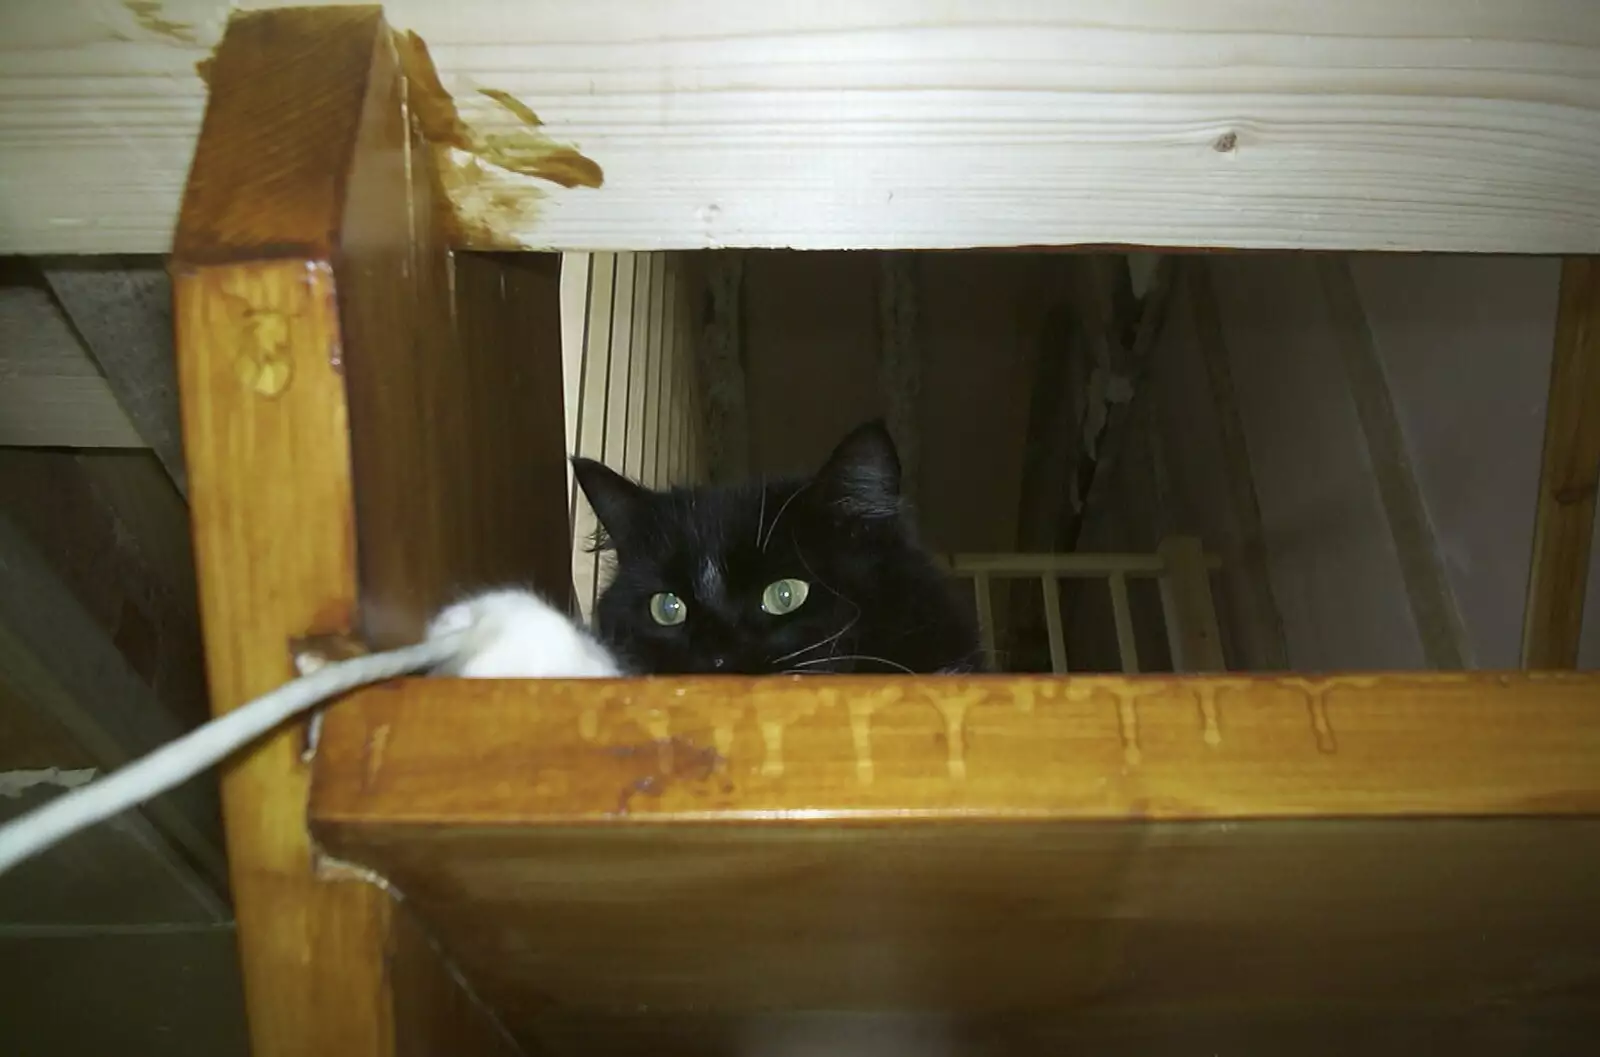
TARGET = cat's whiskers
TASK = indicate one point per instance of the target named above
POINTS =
(774, 526)
(761, 514)
(855, 657)
(819, 643)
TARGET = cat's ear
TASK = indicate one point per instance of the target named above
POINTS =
(862, 477)
(616, 500)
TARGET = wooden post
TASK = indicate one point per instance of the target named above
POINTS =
(1122, 620)
(983, 597)
(1053, 624)
(1563, 528)
(351, 467)
(1264, 619)
(1186, 603)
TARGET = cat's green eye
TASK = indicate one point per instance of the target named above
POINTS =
(667, 609)
(784, 596)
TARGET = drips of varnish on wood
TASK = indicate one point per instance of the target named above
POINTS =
(722, 123)
(667, 861)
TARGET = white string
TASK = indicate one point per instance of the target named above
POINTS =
(179, 760)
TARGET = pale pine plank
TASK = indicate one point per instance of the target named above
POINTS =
(1425, 125)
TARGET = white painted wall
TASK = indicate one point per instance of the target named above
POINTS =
(1464, 345)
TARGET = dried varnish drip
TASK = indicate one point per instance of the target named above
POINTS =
(1146, 853)
(479, 173)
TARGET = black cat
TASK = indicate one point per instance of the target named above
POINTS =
(800, 576)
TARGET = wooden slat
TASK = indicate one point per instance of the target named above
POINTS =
(592, 388)
(1052, 622)
(1034, 123)
(655, 369)
(1005, 847)
(1188, 609)
(613, 450)
(317, 348)
(575, 273)
(983, 599)
(645, 265)
(666, 456)
(597, 356)
(1122, 620)
(1569, 476)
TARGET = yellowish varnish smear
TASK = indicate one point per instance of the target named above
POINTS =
(486, 176)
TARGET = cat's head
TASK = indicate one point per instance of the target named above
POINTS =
(803, 575)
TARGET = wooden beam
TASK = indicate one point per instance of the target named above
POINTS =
(718, 123)
(370, 427)
(1258, 600)
(1569, 475)
(1438, 621)
(122, 309)
(51, 393)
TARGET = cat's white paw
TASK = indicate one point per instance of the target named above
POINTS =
(515, 634)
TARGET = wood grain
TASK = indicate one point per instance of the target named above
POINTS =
(456, 414)
(311, 308)
(1187, 607)
(1013, 747)
(1569, 477)
(1424, 125)
(1125, 848)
